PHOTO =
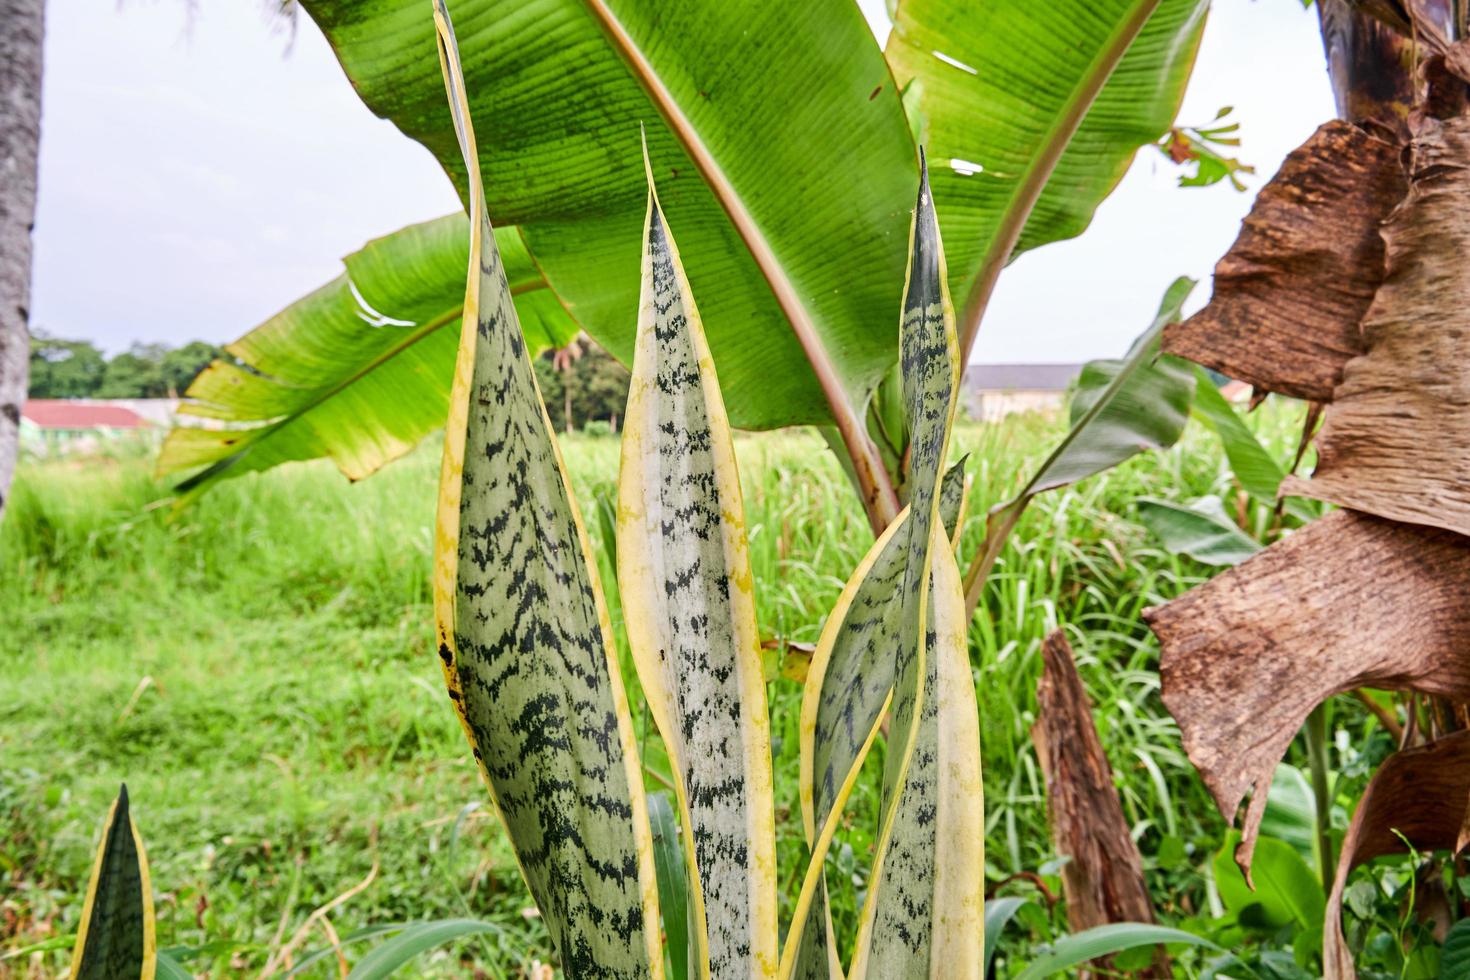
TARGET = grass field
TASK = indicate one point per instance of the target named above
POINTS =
(258, 668)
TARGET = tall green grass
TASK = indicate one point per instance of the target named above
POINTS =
(258, 668)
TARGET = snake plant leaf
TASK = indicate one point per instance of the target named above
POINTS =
(524, 634)
(359, 370)
(925, 900)
(800, 337)
(925, 903)
(849, 684)
(924, 912)
(1120, 408)
(1031, 114)
(689, 604)
(116, 939)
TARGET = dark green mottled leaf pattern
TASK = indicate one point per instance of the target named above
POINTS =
(688, 599)
(900, 901)
(855, 686)
(529, 663)
(115, 944)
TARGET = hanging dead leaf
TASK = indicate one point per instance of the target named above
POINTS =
(1348, 601)
(1103, 880)
(1417, 796)
(1290, 293)
(1396, 438)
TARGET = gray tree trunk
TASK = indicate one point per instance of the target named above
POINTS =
(21, 28)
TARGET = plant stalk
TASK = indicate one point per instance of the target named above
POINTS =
(1316, 733)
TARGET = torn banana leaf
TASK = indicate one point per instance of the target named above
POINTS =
(359, 370)
(1103, 876)
(689, 603)
(1417, 799)
(1347, 601)
(924, 909)
(1121, 408)
(1031, 113)
(1395, 441)
(116, 938)
(1292, 290)
(848, 687)
(799, 337)
(524, 635)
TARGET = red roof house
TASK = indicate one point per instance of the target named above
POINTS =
(62, 414)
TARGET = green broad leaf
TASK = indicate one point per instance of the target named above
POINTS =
(524, 635)
(998, 914)
(1079, 948)
(688, 599)
(116, 939)
(390, 956)
(1120, 408)
(775, 131)
(1454, 957)
(848, 686)
(1291, 811)
(1201, 530)
(1286, 891)
(924, 908)
(1256, 470)
(1259, 474)
(308, 960)
(358, 371)
(1032, 113)
(169, 968)
(673, 883)
(1123, 407)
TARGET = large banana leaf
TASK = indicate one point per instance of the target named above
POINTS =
(1031, 113)
(775, 130)
(794, 236)
(358, 370)
(689, 604)
(524, 634)
(116, 938)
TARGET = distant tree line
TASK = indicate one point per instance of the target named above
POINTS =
(582, 383)
(78, 369)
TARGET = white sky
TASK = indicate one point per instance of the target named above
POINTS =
(196, 177)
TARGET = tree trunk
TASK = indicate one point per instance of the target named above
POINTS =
(21, 27)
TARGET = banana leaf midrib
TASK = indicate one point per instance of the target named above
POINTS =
(1026, 191)
(848, 420)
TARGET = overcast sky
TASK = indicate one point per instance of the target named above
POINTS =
(197, 175)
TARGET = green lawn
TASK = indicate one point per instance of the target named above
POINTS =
(258, 668)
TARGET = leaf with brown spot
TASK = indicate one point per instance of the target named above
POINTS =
(1396, 439)
(1348, 601)
(1103, 881)
(1417, 796)
(1290, 293)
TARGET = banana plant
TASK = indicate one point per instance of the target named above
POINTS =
(1031, 114)
(531, 667)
